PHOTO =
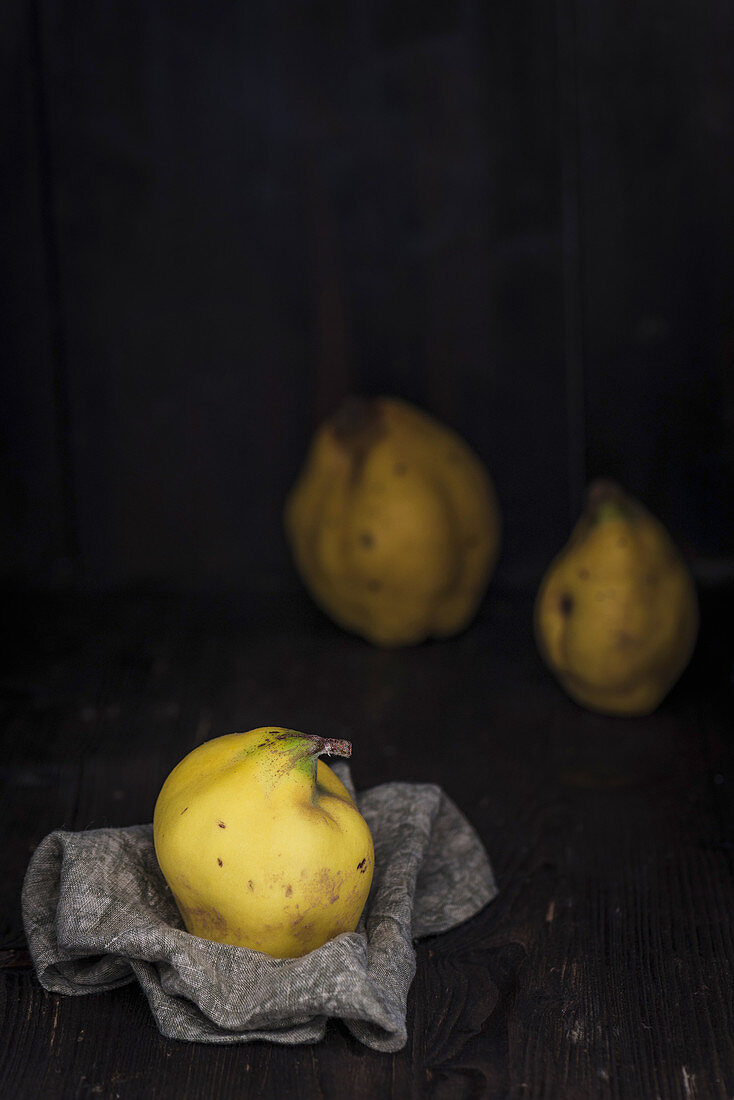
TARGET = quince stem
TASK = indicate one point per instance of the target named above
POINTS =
(295, 755)
(605, 500)
(332, 746)
(356, 427)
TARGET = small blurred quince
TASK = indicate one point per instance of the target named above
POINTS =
(616, 615)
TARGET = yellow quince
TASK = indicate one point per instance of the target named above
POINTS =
(261, 844)
(616, 614)
(393, 523)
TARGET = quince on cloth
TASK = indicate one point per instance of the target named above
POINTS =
(98, 915)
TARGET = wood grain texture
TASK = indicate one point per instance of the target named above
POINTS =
(217, 225)
(655, 164)
(602, 969)
(252, 214)
(37, 534)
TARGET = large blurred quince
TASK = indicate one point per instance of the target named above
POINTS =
(616, 615)
(261, 843)
(393, 523)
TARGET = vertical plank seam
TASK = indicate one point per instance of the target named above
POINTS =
(54, 294)
(571, 222)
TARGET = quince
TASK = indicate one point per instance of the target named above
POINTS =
(393, 523)
(616, 615)
(261, 844)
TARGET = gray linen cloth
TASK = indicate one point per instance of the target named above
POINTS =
(98, 914)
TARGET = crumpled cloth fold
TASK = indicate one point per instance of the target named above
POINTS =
(98, 915)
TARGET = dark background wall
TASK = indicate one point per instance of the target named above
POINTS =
(220, 218)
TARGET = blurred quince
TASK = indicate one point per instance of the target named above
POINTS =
(393, 523)
(616, 615)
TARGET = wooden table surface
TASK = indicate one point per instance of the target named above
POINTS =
(604, 968)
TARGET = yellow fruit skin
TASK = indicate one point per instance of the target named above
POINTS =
(257, 852)
(394, 526)
(616, 615)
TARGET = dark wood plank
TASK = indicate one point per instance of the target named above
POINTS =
(253, 216)
(603, 967)
(36, 539)
(216, 225)
(179, 220)
(656, 167)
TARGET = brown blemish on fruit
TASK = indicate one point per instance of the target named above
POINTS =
(367, 539)
(250, 885)
(303, 931)
(219, 861)
(209, 923)
(362, 865)
(183, 811)
(288, 890)
(565, 604)
(324, 884)
(221, 825)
